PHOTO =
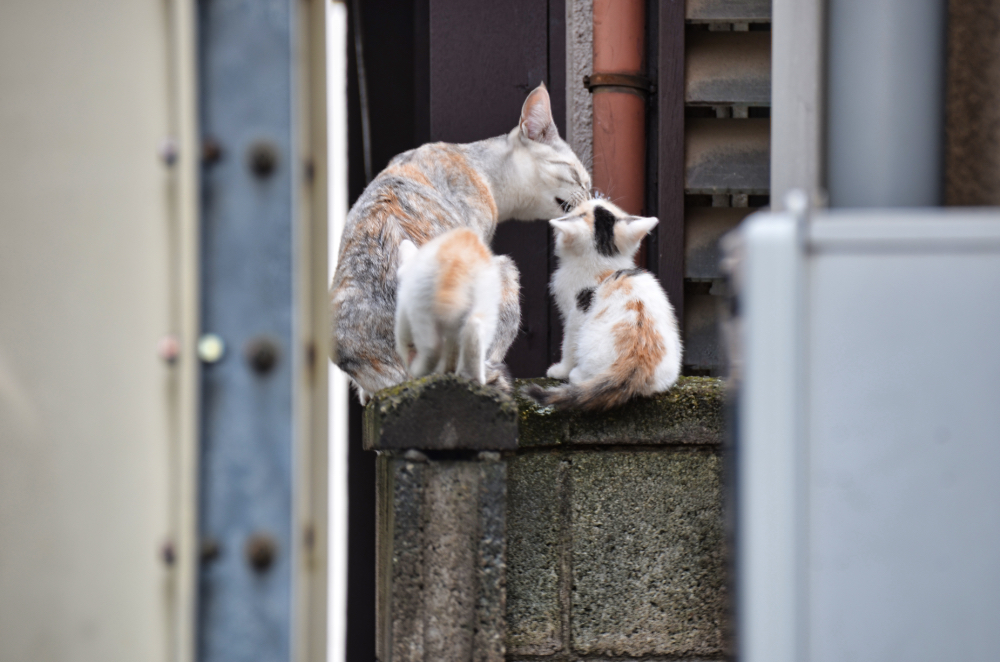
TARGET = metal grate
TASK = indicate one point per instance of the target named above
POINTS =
(727, 135)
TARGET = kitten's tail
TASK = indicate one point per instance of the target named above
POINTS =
(599, 393)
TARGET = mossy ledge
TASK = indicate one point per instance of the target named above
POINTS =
(440, 412)
(690, 413)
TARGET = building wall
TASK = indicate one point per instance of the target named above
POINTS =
(579, 63)
(972, 155)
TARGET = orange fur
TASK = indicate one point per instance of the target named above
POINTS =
(409, 171)
(458, 257)
(639, 345)
(618, 287)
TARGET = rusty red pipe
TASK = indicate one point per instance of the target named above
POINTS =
(620, 110)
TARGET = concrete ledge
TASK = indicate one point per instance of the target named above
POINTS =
(440, 412)
(691, 413)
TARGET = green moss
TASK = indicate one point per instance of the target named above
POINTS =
(689, 413)
(440, 412)
(388, 399)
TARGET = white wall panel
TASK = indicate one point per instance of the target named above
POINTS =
(89, 283)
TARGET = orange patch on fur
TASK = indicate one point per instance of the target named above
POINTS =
(420, 230)
(617, 287)
(376, 364)
(387, 206)
(462, 253)
(409, 171)
(639, 346)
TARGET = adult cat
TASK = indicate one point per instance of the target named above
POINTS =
(530, 173)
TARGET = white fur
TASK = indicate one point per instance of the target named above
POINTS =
(531, 168)
(595, 351)
(431, 338)
(580, 265)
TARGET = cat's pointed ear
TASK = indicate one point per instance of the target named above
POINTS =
(638, 227)
(536, 117)
(407, 249)
(566, 224)
(571, 229)
(560, 224)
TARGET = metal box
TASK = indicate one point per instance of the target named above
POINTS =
(867, 447)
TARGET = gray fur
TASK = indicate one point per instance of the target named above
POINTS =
(423, 193)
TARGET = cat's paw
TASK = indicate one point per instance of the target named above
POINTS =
(363, 396)
(557, 371)
(498, 376)
(576, 376)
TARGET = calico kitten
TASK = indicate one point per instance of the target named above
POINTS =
(448, 304)
(621, 338)
(530, 173)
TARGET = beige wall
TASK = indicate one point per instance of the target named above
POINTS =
(92, 423)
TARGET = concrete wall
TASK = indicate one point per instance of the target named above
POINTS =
(579, 63)
(560, 536)
(615, 537)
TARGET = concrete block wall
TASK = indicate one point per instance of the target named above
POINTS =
(615, 534)
(509, 532)
(441, 511)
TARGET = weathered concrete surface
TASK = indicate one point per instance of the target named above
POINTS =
(690, 413)
(441, 559)
(449, 548)
(440, 412)
(648, 566)
(533, 553)
(489, 643)
(579, 63)
(972, 128)
(611, 524)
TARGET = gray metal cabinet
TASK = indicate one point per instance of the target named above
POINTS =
(867, 454)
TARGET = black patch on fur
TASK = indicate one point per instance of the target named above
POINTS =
(634, 271)
(584, 298)
(604, 231)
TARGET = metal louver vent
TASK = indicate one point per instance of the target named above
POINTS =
(727, 134)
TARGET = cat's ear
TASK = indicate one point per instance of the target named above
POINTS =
(407, 249)
(570, 227)
(638, 227)
(566, 224)
(536, 117)
(560, 224)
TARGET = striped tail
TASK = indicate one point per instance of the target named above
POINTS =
(600, 393)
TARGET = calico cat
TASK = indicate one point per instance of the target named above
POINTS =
(621, 338)
(530, 173)
(447, 304)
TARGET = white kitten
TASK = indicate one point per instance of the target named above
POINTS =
(621, 338)
(447, 304)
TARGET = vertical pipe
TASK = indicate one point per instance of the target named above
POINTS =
(885, 102)
(797, 71)
(620, 111)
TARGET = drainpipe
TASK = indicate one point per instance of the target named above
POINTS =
(619, 87)
(885, 102)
